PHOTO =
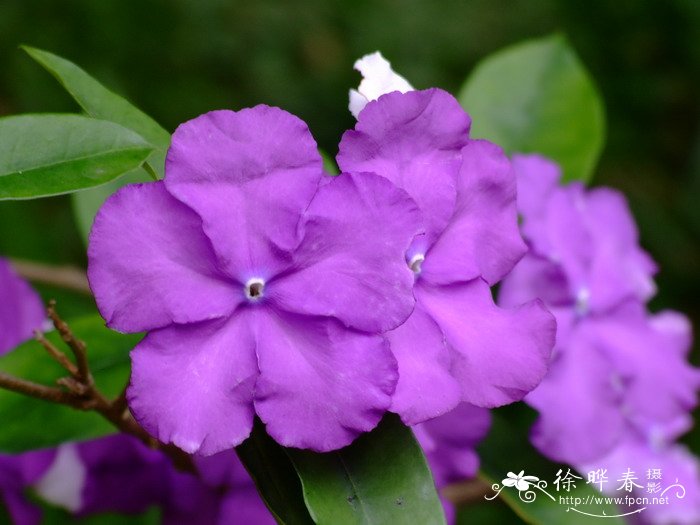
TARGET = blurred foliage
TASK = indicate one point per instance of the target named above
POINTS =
(176, 59)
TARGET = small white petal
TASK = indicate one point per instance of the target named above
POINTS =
(63, 482)
(377, 79)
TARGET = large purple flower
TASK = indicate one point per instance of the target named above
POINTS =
(264, 286)
(457, 345)
(21, 309)
(616, 369)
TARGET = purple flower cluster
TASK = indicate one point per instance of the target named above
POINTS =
(318, 303)
(620, 389)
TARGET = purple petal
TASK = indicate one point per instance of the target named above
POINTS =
(449, 442)
(581, 392)
(537, 178)
(250, 175)
(426, 388)
(192, 385)
(652, 352)
(151, 265)
(120, 461)
(498, 355)
(15, 476)
(620, 269)
(351, 263)
(320, 383)
(482, 237)
(535, 277)
(243, 505)
(21, 309)
(413, 139)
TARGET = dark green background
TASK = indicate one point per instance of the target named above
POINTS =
(178, 58)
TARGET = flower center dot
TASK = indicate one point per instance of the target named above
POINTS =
(416, 262)
(254, 289)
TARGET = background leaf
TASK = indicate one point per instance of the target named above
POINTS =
(29, 423)
(382, 477)
(538, 97)
(43, 155)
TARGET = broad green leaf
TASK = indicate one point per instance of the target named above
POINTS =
(510, 433)
(43, 155)
(538, 97)
(382, 477)
(274, 476)
(29, 423)
(101, 103)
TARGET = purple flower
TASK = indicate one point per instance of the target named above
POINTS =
(21, 309)
(264, 286)
(616, 369)
(449, 443)
(457, 346)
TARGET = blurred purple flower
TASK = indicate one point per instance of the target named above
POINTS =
(264, 286)
(457, 346)
(21, 309)
(616, 370)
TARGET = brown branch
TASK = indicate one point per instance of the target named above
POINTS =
(468, 491)
(29, 388)
(81, 393)
(76, 345)
(68, 277)
(56, 354)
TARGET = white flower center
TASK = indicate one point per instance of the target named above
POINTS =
(416, 262)
(583, 299)
(254, 289)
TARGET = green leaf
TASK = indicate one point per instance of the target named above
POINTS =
(101, 103)
(538, 97)
(43, 155)
(382, 477)
(274, 476)
(29, 423)
(510, 432)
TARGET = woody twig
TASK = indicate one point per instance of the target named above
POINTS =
(78, 390)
